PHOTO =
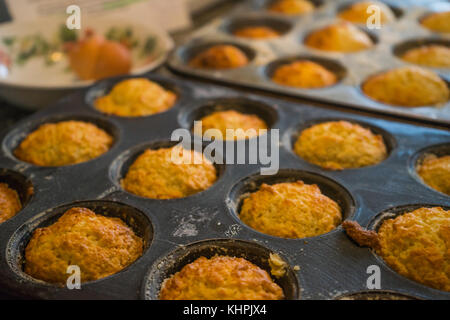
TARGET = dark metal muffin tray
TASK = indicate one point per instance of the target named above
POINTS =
(175, 232)
(352, 69)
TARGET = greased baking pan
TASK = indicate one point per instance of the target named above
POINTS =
(352, 69)
(176, 232)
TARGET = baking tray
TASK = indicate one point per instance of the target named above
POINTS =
(352, 69)
(177, 231)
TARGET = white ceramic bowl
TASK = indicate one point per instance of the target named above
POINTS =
(34, 84)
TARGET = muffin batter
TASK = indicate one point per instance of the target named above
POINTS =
(64, 143)
(290, 210)
(338, 145)
(221, 278)
(99, 245)
(136, 98)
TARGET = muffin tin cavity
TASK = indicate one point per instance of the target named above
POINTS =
(417, 159)
(104, 87)
(19, 183)
(17, 135)
(328, 187)
(375, 295)
(15, 252)
(244, 105)
(119, 168)
(251, 251)
(279, 25)
(294, 132)
(192, 50)
(331, 65)
(401, 48)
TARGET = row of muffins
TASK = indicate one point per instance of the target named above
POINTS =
(333, 145)
(413, 244)
(408, 86)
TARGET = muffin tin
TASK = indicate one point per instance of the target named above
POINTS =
(352, 69)
(178, 231)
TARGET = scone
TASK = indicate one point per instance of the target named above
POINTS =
(64, 143)
(220, 57)
(221, 278)
(434, 55)
(339, 37)
(438, 22)
(357, 12)
(291, 7)
(136, 98)
(157, 175)
(435, 172)
(218, 122)
(9, 202)
(414, 244)
(256, 32)
(100, 246)
(304, 74)
(290, 210)
(338, 145)
(407, 87)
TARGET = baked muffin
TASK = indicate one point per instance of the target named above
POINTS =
(220, 57)
(357, 12)
(407, 87)
(290, 210)
(221, 278)
(64, 143)
(136, 98)
(304, 74)
(220, 121)
(339, 37)
(99, 245)
(434, 55)
(9, 202)
(435, 172)
(438, 22)
(338, 145)
(291, 7)
(256, 32)
(156, 175)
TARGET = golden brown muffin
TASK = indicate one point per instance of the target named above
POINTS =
(438, 22)
(220, 121)
(338, 145)
(290, 210)
(435, 172)
(433, 55)
(9, 202)
(256, 32)
(407, 87)
(64, 143)
(156, 175)
(304, 74)
(357, 12)
(99, 245)
(220, 57)
(136, 98)
(340, 37)
(220, 278)
(416, 244)
(291, 7)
